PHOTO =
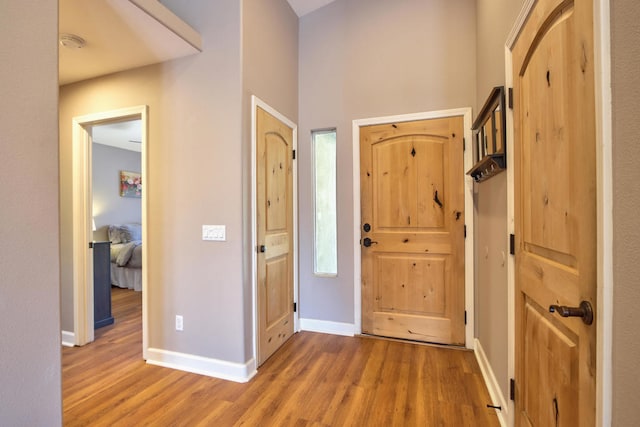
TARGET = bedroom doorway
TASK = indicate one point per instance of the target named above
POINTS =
(93, 137)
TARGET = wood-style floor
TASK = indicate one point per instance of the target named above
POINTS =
(314, 380)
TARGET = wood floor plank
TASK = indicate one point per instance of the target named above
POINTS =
(313, 380)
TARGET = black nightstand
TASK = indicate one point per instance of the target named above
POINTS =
(102, 284)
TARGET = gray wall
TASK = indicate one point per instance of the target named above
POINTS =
(495, 18)
(371, 58)
(625, 41)
(30, 391)
(108, 206)
(198, 167)
(490, 206)
(194, 178)
(270, 71)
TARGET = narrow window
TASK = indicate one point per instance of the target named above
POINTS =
(324, 201)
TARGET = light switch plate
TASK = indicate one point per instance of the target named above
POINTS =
(214, 232)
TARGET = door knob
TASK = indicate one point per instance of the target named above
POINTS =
(262, 248)
(585, 311)
(367, 242)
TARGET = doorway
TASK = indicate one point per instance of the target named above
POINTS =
(465, 115)
(84, 215)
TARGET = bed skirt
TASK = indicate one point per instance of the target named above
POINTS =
(126, 277)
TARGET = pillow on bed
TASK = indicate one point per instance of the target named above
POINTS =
(125, 233)
(125, 254)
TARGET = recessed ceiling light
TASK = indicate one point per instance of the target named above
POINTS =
(72, 41)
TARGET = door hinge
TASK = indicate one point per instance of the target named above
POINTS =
(465, 231)
(510, 96)
(512, 389)
(464, 144)
(90, 245)
(512, 244)
(465, 317)
(295, 307)
(294, 154)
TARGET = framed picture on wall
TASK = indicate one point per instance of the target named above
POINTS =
(130, 184)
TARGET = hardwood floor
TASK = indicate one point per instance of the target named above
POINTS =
(314, 380)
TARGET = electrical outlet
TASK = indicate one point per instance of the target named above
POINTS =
(179, 323)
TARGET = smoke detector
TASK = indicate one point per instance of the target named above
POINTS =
(72, 41)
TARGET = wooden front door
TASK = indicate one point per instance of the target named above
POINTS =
(555, 215)
(412, 208)
(274, 204)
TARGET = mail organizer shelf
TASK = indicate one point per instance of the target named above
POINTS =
(489, 138)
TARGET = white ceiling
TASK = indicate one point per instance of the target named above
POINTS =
(302, 7)
(126, 135)
(126, 34)
(120, 35)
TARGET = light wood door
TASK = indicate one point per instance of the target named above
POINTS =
(555, 213)
(274, 204)
(412, 203)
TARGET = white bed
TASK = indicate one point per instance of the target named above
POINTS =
(126, 256)
(126, 277)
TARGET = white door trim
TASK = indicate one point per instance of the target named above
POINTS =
(468, 207)
(508, 416)
(604, 172)
(257, 102)
(82, 220)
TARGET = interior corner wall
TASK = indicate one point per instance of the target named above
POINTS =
(108, 206)
(363, 59)
(495, 18)
(625, 79)
(193, 178)
(30, 365)
(270, 72)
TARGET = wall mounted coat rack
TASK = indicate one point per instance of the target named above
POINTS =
(489, 138)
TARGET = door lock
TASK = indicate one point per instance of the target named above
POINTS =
(368, 242)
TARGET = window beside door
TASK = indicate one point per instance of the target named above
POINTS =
(324, 202)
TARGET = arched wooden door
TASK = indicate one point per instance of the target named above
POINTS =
(555, 215)
(412, 228)
(274, 184)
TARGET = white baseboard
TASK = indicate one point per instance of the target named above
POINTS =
(238, 372)
(327, 327)
(492, 384)
(68, 339)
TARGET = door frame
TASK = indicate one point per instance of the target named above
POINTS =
(255, 103)
(82, 219)
(604, 203)
(465, 113)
